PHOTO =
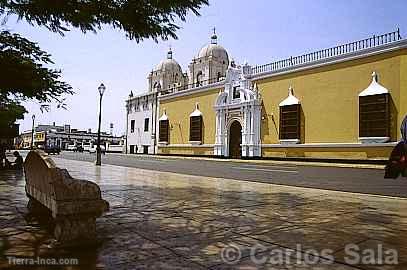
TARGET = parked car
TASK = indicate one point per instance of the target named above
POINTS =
(93, 150)
(53, 150)
(79, 149)
(71, 147)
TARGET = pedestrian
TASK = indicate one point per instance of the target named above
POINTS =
(398, 159)
(3, 159)
(403, 130)
(17, 164)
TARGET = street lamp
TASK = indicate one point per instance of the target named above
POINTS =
(32, 132)
(101, 89)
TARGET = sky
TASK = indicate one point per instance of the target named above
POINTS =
(257, 31)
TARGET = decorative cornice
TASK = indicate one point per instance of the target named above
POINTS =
(374, 88)
(192, 91)
(141, 96)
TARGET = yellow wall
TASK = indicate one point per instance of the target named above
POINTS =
(178, 111)
(329, 100)
(380, 152)
(186, 150)
(39, 137)
(329, 97)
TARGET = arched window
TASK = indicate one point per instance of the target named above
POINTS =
(199, 77)
(374, 113)
(290, 119)
(195, 126)
(163, 128)
(157, 86)
(236, 92)
(219, 76)
(290, 122)
(163, 131)
(195, 134)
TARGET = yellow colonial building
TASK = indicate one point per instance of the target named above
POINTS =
(344, 102)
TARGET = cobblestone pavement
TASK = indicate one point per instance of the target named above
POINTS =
(171, 221)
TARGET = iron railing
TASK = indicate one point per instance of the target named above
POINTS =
(355, 46)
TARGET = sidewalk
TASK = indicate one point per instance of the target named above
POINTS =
(172, 221)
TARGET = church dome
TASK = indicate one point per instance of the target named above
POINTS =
(214, 50)
(169, 64)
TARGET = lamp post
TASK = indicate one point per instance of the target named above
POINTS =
(32, 132)
(101, 89)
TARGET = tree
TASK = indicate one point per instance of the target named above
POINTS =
(23, 65)
(24, 76)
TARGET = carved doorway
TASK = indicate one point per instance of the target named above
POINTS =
(235, 140)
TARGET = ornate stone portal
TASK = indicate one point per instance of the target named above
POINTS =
(239, 101)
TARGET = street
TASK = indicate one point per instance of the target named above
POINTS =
(367, 181)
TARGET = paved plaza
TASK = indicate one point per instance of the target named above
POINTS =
(163, 220)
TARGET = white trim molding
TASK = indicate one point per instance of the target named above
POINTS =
(373, 140)
(374, 88)
(291, 99)
(289, 141)
(187, 146)
(162, 144)
(195, 142)
(329, 145)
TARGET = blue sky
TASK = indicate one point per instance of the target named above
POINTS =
(259, 31)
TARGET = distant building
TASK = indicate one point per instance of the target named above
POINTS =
(141, 127)
(67, 138)
(24, 141)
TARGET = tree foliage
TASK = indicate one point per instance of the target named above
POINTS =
(25, 75)
(25, 72)
(139, 19)
(9, 112)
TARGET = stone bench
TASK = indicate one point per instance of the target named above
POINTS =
(74, 204)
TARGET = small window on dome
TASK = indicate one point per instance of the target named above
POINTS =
(219, 76)
(199, 81)
(236, 92)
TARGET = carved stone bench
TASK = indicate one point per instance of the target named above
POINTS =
(74, 204)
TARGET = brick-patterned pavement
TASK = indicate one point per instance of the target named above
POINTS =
(171, 221)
